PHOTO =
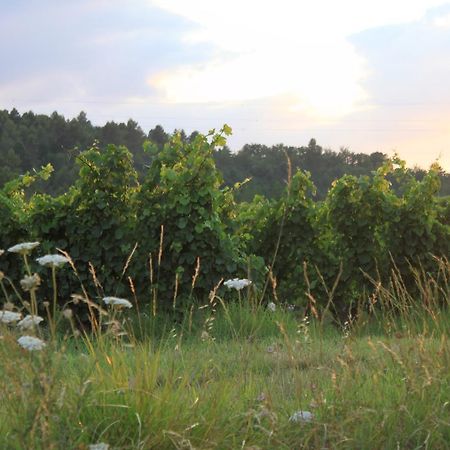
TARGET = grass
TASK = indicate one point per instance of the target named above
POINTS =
(231, 381)
(232, 374)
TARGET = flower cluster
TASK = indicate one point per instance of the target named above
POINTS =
(9, 316)
(30, 282)
(29, 322)
(52, 260)
(237, 283)
(99, 446)
(24, 248)
(271, 306)
(301, 416)
(115, 301)
(31, 343)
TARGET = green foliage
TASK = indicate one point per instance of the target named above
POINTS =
(93, 222)
(414, 233)
(30, 140)
(180, 216)
(286, 233)
(358, 209)
(185, 232)
(14, 211)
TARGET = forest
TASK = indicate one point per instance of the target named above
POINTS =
(29, 141)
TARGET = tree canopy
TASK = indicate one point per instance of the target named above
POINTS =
(30, 141)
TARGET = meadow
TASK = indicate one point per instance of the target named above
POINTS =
(234, 373)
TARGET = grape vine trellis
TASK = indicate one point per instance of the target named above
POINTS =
(181, 223)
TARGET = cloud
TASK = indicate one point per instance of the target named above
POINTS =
(88, 49)
(408, 72)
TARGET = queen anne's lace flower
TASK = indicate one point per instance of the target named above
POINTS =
(99, 446)
(301, 416)
(31, 343)
(9, 316)
(237, 284)
(272, 307)
(52, 260)
(114, 301)
(29, 282)
(23, 248)
(29, 322)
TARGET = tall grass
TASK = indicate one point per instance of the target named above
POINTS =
(232, 374)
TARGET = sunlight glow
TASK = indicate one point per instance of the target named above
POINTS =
(443, 21)
(266, 49)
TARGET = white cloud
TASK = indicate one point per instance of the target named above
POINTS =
(442, 21)
(284, 48)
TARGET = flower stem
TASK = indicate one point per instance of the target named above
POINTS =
(32, 291)
(55, 300)
(27, 266)
(4, 291)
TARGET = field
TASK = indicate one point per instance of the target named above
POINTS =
(231, 377)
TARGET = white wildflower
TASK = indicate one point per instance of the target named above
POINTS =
(99, 446)
(29, 322)
(261, 397)
(301, 416)
(205, 336)
(30, 282)
(9, 316)
(24, 248)
(31, 343)
(67, 313)
(114, 301)
(52, 260)
(272, 307)
(237, 284)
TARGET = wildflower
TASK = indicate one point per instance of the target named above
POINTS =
(24, 248)
(8, 306)
(205, 336)
(237, 284)
(31, 343)
(114, 301)
(261, 397)
(30, 282)
(99, 446)
(67, 313)
(52, 260)
(271, 306)
(301, 416)
(9, 316)
(76, 298)
(29, 322)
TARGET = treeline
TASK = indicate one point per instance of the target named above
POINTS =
(29, 141)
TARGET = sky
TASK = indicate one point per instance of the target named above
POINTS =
(364, 75)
